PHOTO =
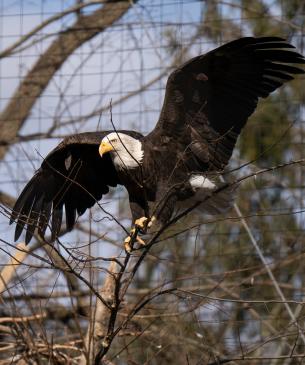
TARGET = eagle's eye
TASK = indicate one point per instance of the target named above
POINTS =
(114, 140)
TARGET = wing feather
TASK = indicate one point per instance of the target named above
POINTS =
(45, 212)
(217, 92)
(73, 176)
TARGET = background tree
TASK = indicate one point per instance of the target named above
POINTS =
(204, 292)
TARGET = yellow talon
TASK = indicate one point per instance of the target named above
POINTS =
(129, 239)
(150, 223)
(127, 244)
(140, 241)
(141, 222)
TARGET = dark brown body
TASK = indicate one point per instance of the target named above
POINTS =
(207, 102)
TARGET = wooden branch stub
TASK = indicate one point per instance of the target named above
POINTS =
(96, 336)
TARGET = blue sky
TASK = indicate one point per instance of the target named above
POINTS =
(113, 64)
(109, 67)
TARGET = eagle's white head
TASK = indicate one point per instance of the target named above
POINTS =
(126, 151)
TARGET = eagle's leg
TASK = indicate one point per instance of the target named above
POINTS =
(162, 211)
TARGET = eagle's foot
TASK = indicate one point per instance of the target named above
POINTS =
(131, 239)
(140, 225)
(143, 223)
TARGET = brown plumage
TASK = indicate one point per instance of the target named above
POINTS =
(207, 102)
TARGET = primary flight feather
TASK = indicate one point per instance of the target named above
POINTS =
(207, 102)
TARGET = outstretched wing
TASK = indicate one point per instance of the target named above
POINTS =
(209, 99)
(73, 176)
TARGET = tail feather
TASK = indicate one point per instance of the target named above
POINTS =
(222, 201)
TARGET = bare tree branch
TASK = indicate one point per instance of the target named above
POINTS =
(98, 324)
(85, 28)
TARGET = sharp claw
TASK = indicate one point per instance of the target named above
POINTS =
(140, 241)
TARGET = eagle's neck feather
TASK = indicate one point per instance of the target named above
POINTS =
(129, 155)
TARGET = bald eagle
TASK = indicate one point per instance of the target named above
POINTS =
(207, 103)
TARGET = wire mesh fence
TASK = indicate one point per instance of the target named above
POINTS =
(214, 289)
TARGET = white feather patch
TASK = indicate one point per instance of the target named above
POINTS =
(199, 182)
(211, 204)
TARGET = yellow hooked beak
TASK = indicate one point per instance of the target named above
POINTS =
(104, 148)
